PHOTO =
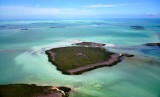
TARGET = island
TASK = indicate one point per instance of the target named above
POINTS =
(89, 44)
(58, 26)
(84, 57)
(137, 27)
(24, 29)
(26, 90)
(2, 26)
(153, 44)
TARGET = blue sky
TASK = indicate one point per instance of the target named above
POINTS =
(77, 9)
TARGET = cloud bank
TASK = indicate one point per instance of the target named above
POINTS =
(88, 11)
(20, 11)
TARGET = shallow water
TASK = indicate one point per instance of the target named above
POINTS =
(133, 77)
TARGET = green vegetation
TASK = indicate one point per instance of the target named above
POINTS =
(25, 90)
(22, 90)
(67, 58)
(90, 44)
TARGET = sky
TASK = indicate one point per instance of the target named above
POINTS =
(78, 9)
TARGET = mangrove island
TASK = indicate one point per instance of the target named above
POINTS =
(83, 57)
(25, 90)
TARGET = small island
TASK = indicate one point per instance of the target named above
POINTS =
(84, 57)
(24, 29)
(153, 44)
(90, 44)
(25, 90)
(137, 27)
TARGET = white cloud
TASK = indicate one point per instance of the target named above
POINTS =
(152, 13)
(95, 6)
(103, 5)
(89, 11)
(20, 11)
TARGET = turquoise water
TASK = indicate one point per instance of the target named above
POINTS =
(23, 60)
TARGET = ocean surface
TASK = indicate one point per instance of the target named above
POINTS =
(22, 57)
